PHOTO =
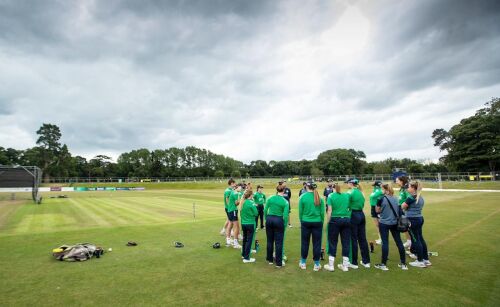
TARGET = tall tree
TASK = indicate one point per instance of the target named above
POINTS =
(49, 148)
(474, 143)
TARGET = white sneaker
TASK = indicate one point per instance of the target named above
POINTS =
(222, 232)
(237, 245)
(418, 264)
(290, 225)
(302, 265)
(352, 266)
(283, 263)
(249, 260)
(407, 244)
(329, 268)
(378, 242)
(229, 243)
(240, 237)
(317, 268)
(366, 265)
(427, 263)
(382, 267)
(343, 267)
(403, 267)
(412, 256)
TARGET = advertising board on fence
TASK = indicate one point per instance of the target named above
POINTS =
(71, 189)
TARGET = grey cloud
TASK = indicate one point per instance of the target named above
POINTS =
(118, 75)
(428, 43)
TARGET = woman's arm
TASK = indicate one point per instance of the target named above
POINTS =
(300, 209)
(322, 210)
(329, 213)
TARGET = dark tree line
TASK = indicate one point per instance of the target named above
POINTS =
(474, 143)
(471, 145)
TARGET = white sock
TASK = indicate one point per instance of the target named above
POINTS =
(235, 241)
(223, 229)
(228, 240)
(346, 261)
(331, 260)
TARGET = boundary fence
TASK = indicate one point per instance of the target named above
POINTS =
(435, 177)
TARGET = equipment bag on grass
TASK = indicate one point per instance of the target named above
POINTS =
(77, 252)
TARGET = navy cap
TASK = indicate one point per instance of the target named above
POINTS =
(352, 180)
(377, 183)
(311, 184)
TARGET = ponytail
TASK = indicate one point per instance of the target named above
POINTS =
(417, 185)
(317, 200)
(311, 186)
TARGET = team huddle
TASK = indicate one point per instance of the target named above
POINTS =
(345, 219)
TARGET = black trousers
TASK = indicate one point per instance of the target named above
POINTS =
(358, 237)
(260, 209)
(339, 226)
(418, 243)
(275, 232)
(384, 235)
(315, 230)
(248, 232)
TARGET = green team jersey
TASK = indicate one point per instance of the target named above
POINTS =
(357, 200)
(340, 203)
(259, 198)
(231, 206)
(403, 195)
(277, 205)
(248, 212)
(308, 211)
(376, 195)
(227, 193)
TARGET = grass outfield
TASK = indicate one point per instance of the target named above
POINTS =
(461, 226)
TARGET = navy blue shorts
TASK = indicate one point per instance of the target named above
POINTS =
(227, 214)
(374, 213)
(233, 216)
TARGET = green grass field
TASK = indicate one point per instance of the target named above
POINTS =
(462, 226)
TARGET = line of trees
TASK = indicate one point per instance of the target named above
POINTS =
(471, 145)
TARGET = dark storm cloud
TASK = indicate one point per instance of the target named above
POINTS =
(119, 75)
(428, 43)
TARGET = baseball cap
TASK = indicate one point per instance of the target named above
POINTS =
(352, 180)
(259, 186)
(377, 183)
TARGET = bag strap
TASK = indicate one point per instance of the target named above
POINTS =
(392, 209)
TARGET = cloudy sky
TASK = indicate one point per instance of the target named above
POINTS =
(248, 79)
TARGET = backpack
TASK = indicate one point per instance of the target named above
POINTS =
(403, 221)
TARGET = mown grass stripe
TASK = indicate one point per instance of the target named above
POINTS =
(188, 207)
(138, 215)
(168, 208)
(149, 207)
(114, 217)
(94, 215)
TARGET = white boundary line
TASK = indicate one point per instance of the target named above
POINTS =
(459, 190)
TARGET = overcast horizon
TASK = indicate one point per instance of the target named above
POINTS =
(252, 80)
